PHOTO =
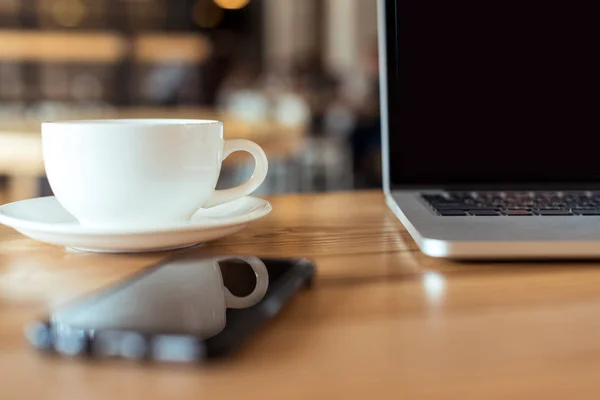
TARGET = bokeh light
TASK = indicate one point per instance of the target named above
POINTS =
(232, 4)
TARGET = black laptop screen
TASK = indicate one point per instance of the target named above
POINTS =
(489, 91)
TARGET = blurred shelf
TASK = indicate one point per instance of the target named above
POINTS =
(165, 47)
(102, 47)
(59, 46)
(80, 15)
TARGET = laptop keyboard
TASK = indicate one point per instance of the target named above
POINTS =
(456, 204)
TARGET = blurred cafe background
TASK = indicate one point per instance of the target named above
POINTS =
(299, 77)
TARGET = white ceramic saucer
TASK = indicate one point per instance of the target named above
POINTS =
(44, 219)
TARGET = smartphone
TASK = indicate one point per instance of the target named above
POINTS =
(186, 308)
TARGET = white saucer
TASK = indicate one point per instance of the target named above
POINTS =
(44, 219)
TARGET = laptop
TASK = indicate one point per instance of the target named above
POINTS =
(491, 126)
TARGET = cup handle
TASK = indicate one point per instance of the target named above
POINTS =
(262, 283)
(261, 166)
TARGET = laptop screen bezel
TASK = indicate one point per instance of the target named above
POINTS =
(389, 82)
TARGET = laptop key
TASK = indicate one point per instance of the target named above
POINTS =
(484, 212)
(451, 206)
(553, 212)
(587, 212)
(516, 213)
(452, 213)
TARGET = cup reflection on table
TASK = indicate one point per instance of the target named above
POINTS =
(185, 296)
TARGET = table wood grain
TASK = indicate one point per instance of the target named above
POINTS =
(382, 320)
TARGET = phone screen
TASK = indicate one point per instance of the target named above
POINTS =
(185, 309)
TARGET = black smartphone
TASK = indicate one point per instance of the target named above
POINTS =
(186, 308)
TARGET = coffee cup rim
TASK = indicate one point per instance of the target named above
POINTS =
(137, 121)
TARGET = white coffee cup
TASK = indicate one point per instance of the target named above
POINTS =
(185, 296)
(141, 173)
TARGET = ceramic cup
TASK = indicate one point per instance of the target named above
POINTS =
(141, 173)
(185, 296)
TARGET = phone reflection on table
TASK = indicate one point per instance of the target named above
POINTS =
(186, 295)
(177, 310)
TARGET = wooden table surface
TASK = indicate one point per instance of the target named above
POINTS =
(382, 321)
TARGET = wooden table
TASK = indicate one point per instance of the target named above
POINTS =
(21, 150)
(382, 321)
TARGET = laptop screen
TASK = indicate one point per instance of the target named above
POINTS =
(493, 91)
